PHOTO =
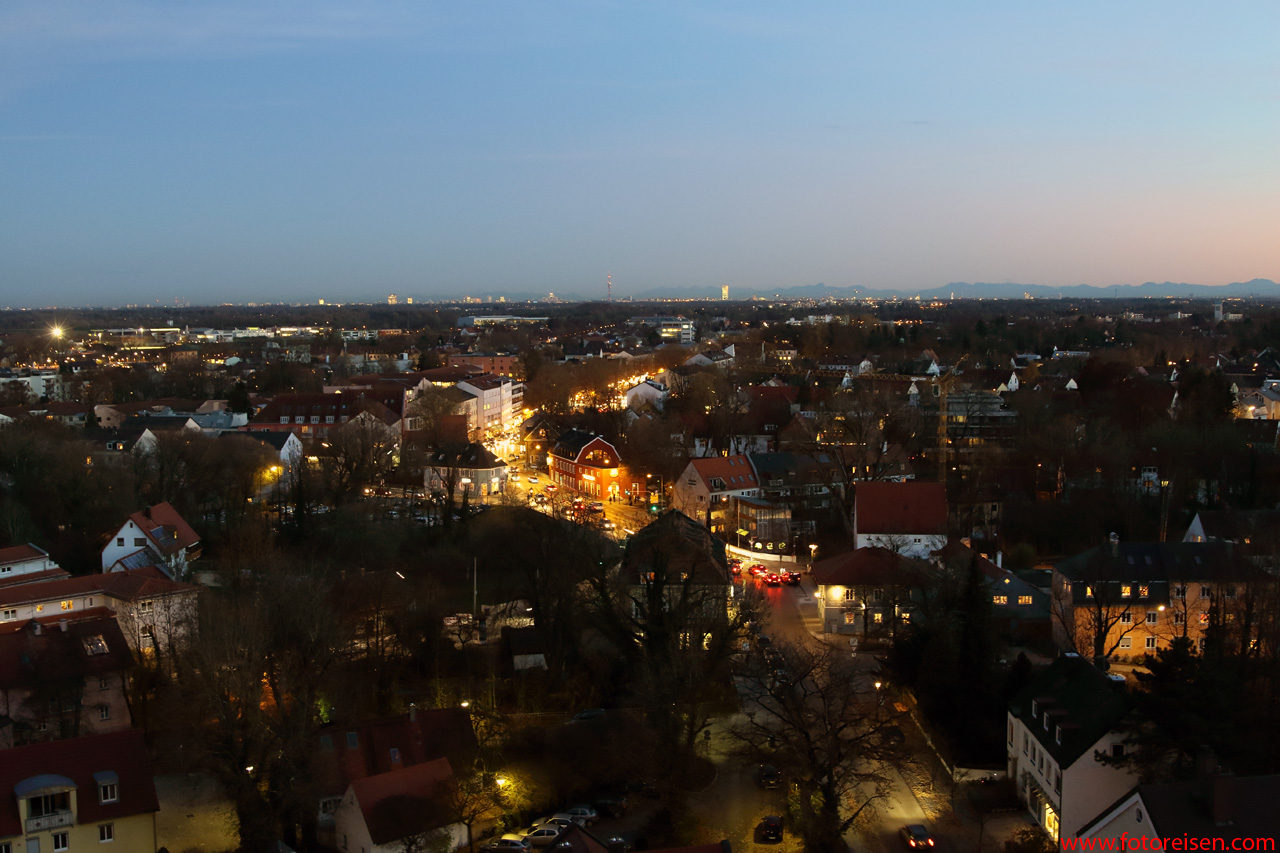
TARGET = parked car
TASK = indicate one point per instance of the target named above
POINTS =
(542, 836)
(793, 579)
(768, 776)
(508, 843)
(582, 815)
(915, 835)
(564, 820)
(589, 714)
(770, 829)
(596, 506)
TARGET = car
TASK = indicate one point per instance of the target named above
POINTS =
(596, 506)
(735, 569)
(508, 843)
(542, 836)
(564, 820)
(915, 835)
(513, 477)
(768, 776)
(758, 571)
(770, 829)
(607, 524)
(793, 579)
(588, 714)
(582, 815)
(533, 478)
(772, 579)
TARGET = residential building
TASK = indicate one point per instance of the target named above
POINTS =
(156, 536)
(1057, 725)
(154, 612)
(468, 469)
(347, 753)
(586, 463)
(869, 591)
(78, 794)
(908, 517)
(1125, 600)
(62, 677)
(498, 363)
(649, 393)
(1020, 610)
(321, 415)
(27, 562)
(710, 482)
(387, 812)
(674, 330)
(674, 566)
(499, 402)
(1223, 811)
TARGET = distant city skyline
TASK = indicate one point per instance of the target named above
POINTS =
(264, 151)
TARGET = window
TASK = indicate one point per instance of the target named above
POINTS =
(103, 682)
(353, 740)
(1126, 590)
(1179, 592)
(1153, 616)
(1024, 600)
(1000, 599)
(1117, 750)
(1151, 642)
(1205, 591)
(848, 594)
(108, 792)
(1230, 592)
(94, 645)
(1057, 781)
(1088, 592)
(1179, 618)
(1126, 642)
(104, 712)
(139, 541)
(878, 618)
(1204, 620)
(395, 755)
(5, 847)
(69, 604)
(145, 607)
(1057, 735)
(1144, 591)
(1035, 706)
(1025, 740)
(315, 419)
(120, 541)
(8, 616)
(1126, 618)
(106, 832)
(59, 841)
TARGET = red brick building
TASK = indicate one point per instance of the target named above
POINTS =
(586, 463)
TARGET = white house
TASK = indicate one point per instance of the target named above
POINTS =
(1219, 806)
(27, 563)
(907, 517)
(1056, 726)
(157, 536)
(646, 393)
(387, 812)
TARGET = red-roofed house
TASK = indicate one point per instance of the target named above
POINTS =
(380, 813)
(157, 536)
(61, 680)
(910, 518)
(76, 794)
(868, 590)
(347, 753)
(153, 610)
(706, 488)
(25, 563)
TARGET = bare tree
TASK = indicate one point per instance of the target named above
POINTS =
(828, 730)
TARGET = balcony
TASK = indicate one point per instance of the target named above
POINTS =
(50, 821)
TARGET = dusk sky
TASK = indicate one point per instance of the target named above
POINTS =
(292, 151)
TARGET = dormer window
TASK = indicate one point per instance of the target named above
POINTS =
(1035, 706)
(95, 645)
(1058, 735)
(108, 786)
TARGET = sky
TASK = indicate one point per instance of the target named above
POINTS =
(154, 151)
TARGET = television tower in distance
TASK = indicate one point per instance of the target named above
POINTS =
(609, 284)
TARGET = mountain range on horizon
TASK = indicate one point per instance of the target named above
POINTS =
(1256, 288)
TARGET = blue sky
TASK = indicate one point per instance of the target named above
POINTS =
(291, 151)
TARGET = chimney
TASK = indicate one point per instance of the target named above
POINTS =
(413, 712)
(1115, 544)
(1220, 802)
(999, 559)
(62, 623)
(37, 627)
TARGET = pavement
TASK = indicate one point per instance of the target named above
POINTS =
(194, 815)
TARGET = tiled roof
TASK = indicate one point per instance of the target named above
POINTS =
(21, 554)
(735, 471)
(400, 803)
(1076, 696)
(166, 529)
(87, 647)
(869, 567)
(34, 577)
(905, 508)
(126, 586)
(78, 759)
(1183, 809)
(431, 734)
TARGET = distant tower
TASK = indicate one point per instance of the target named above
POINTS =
(1217, 312)
(392, 299)
(409, 300)
(724, 293)
(609, 280)
(321, 301)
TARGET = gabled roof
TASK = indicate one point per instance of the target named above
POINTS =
(473, 455)
(1158, 563)
(423, 736)
(915, 508)
(870, 567)
(84, 648)
(167, 531)
(274, 439)
(132, 585)
(1080, 699)
(676, 544)
(22, 554)
(123, 754)
(1255, 527)
(735, 472)
(402, 802)
(1186, 808)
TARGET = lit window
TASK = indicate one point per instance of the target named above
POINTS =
(1144, 591)
(68, 604)
(1024, 599)
(1000, 599)
(1088, 592)
(877, 618)
(1126, 590)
